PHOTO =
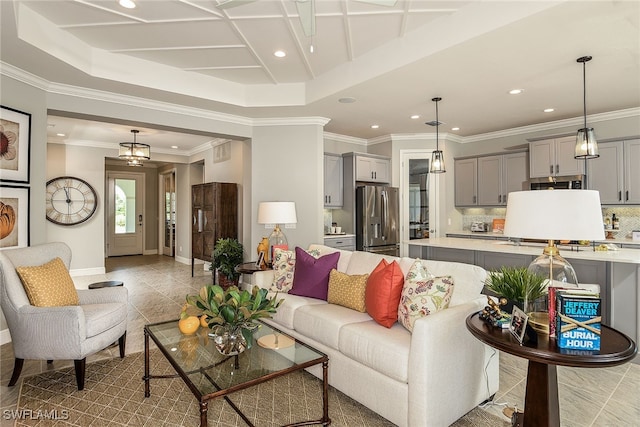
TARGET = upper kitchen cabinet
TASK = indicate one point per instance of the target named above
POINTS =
(466, 182)
(615, 174)
(333, 180)
(499, 175)
(371, 168)
(554, 157)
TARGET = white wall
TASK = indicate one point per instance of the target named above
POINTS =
(287, 165)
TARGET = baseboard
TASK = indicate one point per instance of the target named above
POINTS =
(183, 260)
(5, 336)
(152, 252)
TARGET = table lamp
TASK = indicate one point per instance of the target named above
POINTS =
(277, 213)
(554, 215)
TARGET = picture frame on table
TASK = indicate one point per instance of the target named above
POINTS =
(518, 326)
(15, 130)
(14, 216)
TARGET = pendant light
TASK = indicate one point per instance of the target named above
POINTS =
(586, 144)
(134, 152)
(437, 157)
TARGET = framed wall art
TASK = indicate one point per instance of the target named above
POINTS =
(14, 217)
(15, 132)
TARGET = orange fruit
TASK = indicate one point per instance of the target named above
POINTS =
(189, 325)
(203, 321)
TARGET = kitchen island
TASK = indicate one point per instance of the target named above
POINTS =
(617, 272)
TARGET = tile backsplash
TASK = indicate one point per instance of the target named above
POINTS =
(629, 217)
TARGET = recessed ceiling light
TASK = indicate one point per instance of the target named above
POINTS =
(280, 53)
(415, 116)
(455, 128)
(549, 110)
(129, 4)
(174, 146)
(61, 134)
(516, 91)
(375, 126)
(347, 100)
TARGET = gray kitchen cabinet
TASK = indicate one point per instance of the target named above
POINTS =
(615, 174)
(466, 182)
(499, 175)
(372, 169)
(333, 180)
(346, 243)
(554, 157)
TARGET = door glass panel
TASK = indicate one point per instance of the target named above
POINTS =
(169, 211)
(418, 198)
(125, 206)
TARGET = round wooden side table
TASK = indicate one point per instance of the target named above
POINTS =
(541, 407)
(106, 284)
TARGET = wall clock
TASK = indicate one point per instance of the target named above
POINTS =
(70, 200)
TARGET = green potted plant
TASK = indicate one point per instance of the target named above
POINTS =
(517, 284)
(228, 253)
(231, 314)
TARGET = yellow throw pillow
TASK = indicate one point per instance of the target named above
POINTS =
(347, 290)
(49, 285)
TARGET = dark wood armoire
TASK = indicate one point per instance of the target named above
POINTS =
(214, 215)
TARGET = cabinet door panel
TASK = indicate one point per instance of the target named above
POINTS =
(632, 171)
(364, 169)
(489, 180)
(466, 172)
(381, 170)
(515, 171)
(333, 181)
(566, 163)
(541, 159)
(606, 173)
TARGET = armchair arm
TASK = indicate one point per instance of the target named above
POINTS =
(49, 332)
(449, 367)
(263, 278)
(103, 295)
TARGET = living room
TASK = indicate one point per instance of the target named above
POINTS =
(267, 158)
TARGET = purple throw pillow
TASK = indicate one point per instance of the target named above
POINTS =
(311, 276)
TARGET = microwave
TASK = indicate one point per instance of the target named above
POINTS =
(574, 182)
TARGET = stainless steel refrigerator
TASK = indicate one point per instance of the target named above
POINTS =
(377, 219)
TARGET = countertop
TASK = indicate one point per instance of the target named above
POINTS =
(499, 236)
(337, 236)
(631, 256)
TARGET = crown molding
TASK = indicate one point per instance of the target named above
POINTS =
(290, 121)
(344, 138)
(576, 121)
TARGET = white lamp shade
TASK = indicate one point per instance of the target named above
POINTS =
(277, 213)
(554, 214)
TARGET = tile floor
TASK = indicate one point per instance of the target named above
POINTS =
(157, 287)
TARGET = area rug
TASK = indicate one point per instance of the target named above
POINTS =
(114, 396)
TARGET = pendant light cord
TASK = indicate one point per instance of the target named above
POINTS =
(584, 92)
(437, 127)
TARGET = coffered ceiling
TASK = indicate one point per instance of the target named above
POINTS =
(389, 60)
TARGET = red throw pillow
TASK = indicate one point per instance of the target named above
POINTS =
(382, 295)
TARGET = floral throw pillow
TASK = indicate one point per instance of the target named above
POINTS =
(422, 295)
(284, 263)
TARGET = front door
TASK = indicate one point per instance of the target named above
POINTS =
(125, 225)
(169, 207)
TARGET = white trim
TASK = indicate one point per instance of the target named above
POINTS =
(344, 138)
(78, 272)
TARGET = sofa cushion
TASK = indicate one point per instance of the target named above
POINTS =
(423, 295)
(284, 263)
(311, 275)
(385, 350)
(49, 284)
(365, 262)
(285, 313)
(323, 322)
(469, 279)
(382, 294)
(347, 290)
(102, 317)
(345, 256)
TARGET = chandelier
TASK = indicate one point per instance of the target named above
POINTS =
(134, 152)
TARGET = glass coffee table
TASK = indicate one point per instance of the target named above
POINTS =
(209, 374)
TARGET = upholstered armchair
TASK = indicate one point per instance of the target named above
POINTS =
(70, 332)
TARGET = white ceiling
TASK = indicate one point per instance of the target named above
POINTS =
(391, 59)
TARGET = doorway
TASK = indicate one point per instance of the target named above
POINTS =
(418, 197)
(168, 226)
(125, 213)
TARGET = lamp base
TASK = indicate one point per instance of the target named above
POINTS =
(277, 240)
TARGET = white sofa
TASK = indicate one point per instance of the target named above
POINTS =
(430, 377)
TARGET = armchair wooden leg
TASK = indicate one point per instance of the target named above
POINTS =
(17, 368)
(80, 365)
(121, 344)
